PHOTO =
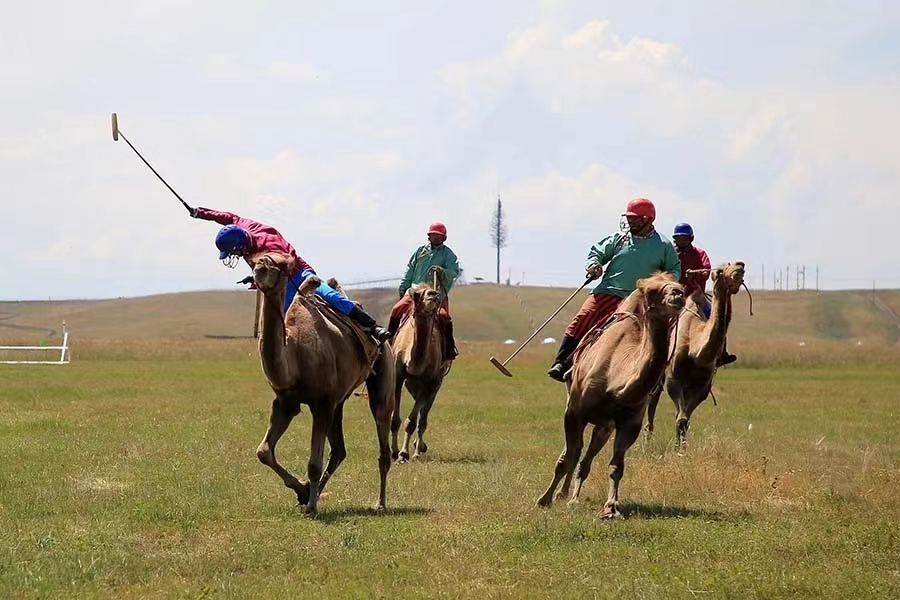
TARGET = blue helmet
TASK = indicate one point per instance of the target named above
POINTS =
(231, 239)
(683, 229)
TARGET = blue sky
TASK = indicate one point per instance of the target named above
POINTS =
(771, 126)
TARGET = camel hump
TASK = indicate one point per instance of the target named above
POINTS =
(334, 284)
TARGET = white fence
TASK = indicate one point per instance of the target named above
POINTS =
(64, 355)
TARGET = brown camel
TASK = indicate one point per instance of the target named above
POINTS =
(694, 349)
(418, 350)
(610, 382)
(313, 356)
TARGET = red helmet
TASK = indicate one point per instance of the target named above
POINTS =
(641, 207)
(438, 228)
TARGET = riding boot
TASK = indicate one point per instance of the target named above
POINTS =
(368, 324)
(563, 356)
(450, 351)
(725, 358)
(393, 326)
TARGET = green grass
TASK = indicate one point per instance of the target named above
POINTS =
(131, 473)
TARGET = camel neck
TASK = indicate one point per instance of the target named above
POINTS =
(272, 339)
(719, 319)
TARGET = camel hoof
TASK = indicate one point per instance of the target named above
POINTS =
(573, 502)
(380, 509)
(302, 491)
(309, 511)
(421, 448)
(545, 501)
(395, 455)
(611, 513)
(403, 458)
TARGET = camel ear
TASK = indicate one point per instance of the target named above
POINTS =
(416, 296)
(716, 273)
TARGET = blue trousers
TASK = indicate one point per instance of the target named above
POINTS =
(706, 309)
(325, 291)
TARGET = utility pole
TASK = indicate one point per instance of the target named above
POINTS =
(764, 276)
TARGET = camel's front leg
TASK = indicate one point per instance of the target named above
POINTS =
(396, 421)
(409, 427)
(320, 425)
(421, 446)
(282, 414)
(338, 449)
(574, 428)
(651, 406)
(599, 437)
(626, 434)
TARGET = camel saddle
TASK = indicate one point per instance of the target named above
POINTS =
(368, 346)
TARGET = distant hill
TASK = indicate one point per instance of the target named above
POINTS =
(482, 312)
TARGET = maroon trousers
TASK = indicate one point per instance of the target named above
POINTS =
(595, 310)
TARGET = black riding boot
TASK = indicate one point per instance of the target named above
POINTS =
(562, 362)
(450, 351)
(725, 358)
(369, 324)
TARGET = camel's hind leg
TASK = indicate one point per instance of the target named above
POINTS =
(599, 437)
(381, 402)
(338, 448)
(574, 427)
(321, 426)
(283, 412)
(626, 434)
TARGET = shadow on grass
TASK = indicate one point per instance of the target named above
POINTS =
(329, 516)
(654, 510)
(459, 459)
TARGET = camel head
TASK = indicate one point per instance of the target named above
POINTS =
(271, 271)
(728, 277)
(425, 299)
(663, 296)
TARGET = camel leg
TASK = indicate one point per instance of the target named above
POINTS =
(279, 420)
(421, 446)
(412, 420)
(599, 437)
(651, 407)
(395, 414)
(409, 427)
(338, 450)
(626, 434)
(574, 427)
(321, 424)
(381, 403)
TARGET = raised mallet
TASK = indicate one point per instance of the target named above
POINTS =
(502, 366)
(118, 132)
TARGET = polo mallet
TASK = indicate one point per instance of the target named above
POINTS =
(117, 132)
(502, 366)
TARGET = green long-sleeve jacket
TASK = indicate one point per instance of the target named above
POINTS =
(628, 259)
(420, 263)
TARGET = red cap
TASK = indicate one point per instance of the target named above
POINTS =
(438, 228)
(641, 207)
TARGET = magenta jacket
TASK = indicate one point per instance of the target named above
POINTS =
(693, 257)
(263, 238)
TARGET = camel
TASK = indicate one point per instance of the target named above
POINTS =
(312, 356)
(610, 382)
(419, 363)
(694, 349)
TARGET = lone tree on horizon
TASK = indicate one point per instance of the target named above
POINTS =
(498, 232)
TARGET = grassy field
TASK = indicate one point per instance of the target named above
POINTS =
(131, 473)
(483, 313)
